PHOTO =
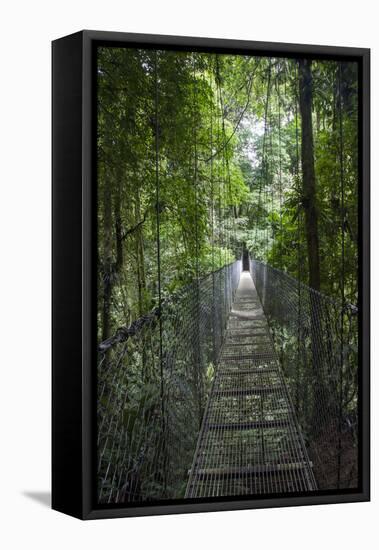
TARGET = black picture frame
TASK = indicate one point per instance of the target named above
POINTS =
(73, 310)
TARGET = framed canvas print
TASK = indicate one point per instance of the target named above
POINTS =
(210, 274)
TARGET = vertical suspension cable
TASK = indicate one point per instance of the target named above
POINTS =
(272, 186)
(224, 194)
(280, 197)
(280, 178)
(220, 229)
(263, 165)
(267, 178)
(157, 196)
(211, 170)
(218, 164)
(195, 175)
(212, 219)
(299, 218)
(198, 352)
(229, 203)
(342, 214)
(225, 160)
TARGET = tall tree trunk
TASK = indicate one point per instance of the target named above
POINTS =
(317, 383)
(309, 178)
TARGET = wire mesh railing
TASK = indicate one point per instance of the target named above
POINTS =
(153, 381)
(316, 338)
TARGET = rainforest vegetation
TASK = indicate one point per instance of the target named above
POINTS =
(199, 153)
(202, 157)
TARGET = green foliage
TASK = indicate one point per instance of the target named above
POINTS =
(198, 153)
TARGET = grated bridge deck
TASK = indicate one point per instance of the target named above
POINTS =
(250, 442)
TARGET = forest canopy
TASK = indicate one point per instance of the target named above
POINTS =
(200, 155)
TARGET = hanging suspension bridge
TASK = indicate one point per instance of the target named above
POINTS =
(242, 383)
(250, 441)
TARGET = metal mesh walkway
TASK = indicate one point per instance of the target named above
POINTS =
(250, 442)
